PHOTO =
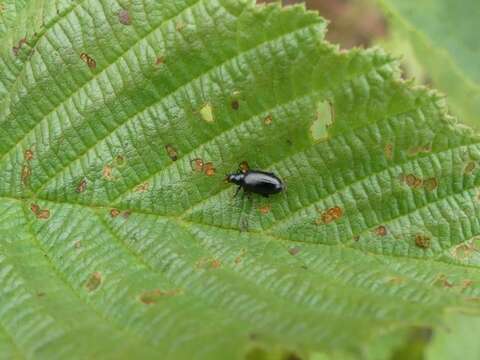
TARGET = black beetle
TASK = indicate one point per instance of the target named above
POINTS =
(256, 181)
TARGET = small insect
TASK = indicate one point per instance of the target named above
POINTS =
(255, 181)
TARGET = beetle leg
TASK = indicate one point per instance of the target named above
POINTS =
(236, 192)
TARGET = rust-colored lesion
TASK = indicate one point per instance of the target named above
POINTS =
(16, 48)
(87, 59)
(171, 152)
(153, 296)
(209, 169)
(82, 186)
(422, 241)
(94, 281)
(328, 216)
(381, 231)
(42, 214)
(415, 182)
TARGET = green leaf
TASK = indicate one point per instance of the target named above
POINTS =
(120, 238)
(443, 37)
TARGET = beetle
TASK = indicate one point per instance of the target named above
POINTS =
(255, 181)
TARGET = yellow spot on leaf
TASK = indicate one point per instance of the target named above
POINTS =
(388, 150)
(323, 120)
(143, 187)
(207, 113)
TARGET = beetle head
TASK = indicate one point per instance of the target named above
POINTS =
(236, 178)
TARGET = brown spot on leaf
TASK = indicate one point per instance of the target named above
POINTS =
(143, 187)
(126, 214)
(153, 296)
(160, 60)
(464, 251)
(16, 49)
(114, 213)
(197, 165)
(107, 173)
(466, 283)
(330, 215)
(77, 245)
(124, 17)
(239, 258)
(265, 209)
(430, 184)
(422, 241)
(395, 280)
(93, 282)
(268, 120)
(413, 181)
(209, 169)
(172, 152)
(120, 161)
(208, 263)
(180, 25)
(82, 186)
(356, 238)
(413, 151)
(42, 214)
(388, 150)
(442, 281)
(294, 250)
(470, 167)
(35, 208)
(87, 59)
(235, 104)
(25, 174)
(475, 299)
(381, 231)
(28, 155)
